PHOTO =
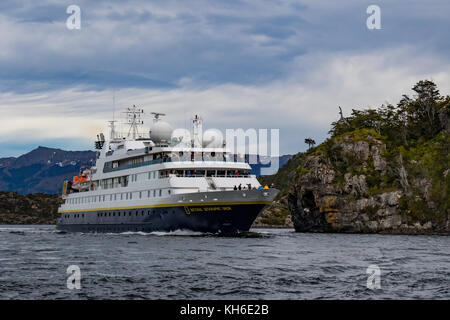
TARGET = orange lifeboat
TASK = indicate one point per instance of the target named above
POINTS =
(79, 179)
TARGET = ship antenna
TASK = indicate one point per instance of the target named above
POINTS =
(114, 103)
(112, 134)
(156, 116)
(134, 120)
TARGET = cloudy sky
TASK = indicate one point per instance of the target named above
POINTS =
(284, 64)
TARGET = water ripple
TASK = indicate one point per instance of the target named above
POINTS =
(271, 264)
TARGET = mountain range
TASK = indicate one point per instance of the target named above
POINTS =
(43, 170)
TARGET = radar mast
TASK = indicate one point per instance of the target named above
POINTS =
(156, 116)
(134, 115)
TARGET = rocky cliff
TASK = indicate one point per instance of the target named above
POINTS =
(359, 190)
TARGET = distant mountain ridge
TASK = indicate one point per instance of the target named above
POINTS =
(43, 170)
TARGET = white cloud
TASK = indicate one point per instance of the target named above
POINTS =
(301, 105)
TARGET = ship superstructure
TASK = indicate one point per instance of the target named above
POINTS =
(161, 182)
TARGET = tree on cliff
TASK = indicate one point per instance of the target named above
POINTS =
(413, 119)
(310, 142)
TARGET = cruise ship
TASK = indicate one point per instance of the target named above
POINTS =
(161, 182)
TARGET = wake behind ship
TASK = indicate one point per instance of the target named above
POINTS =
(163, 183)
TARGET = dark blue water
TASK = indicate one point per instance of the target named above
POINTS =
(276, 264)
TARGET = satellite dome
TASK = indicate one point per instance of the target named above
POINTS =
(212, 138)
(161, 131)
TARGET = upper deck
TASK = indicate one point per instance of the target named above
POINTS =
(130, 167)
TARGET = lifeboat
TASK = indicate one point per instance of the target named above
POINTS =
(82, 180)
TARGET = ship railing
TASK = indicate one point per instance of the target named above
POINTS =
(192, 175)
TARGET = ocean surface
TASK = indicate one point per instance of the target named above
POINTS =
(266, 264)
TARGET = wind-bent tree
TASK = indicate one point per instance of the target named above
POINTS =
(310, 142)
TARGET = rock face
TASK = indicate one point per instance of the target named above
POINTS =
(275, 216)
(349, 186)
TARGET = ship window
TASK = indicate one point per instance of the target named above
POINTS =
(131, 195)
(201, 173)
(210, 173)
(160, 192)
(169, 192)
(221, 173)
(154, 193)
(140, 194)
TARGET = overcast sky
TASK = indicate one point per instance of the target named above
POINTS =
(239, 63)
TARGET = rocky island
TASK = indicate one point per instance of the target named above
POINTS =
(382, 170)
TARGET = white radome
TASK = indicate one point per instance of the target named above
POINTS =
(161, 131)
